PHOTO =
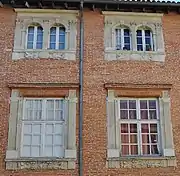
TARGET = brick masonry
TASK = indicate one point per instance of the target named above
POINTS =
(97, 71)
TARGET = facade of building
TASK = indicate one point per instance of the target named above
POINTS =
(131, 88)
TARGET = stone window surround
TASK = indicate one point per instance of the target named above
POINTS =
(46, 18)
(114, 160)
(133, 21)
(13, 159)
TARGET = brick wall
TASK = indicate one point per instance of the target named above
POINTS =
(97, 71)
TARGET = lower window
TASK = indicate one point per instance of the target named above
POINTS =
(43, 128)
(139, 127)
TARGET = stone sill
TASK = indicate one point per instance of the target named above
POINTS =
(135, 55)
(141, 162)
(40, 164)
(48, 54)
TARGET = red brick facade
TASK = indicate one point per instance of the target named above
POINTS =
(97, 72)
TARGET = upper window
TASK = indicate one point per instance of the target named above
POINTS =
(144, 40)
(139, 127)
(43, 128)
(57, 38)
(123, 39)
(35, 37)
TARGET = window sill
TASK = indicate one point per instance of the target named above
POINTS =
(135, 55)
(44, 53)
(141, 162)
(40, 163)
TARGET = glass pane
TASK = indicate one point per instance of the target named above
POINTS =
(124, 128)
(49, 128)
(39, 37)
(58, 139)
(37, 114)
(27, 139)
(126, 47)
(53, 38)
(144, 128)
(125, 138)
(143, 104)
(139, 47)
(39, 45)
(147, 32)
(26, 151)
(35, 151)
(145, 138)
(36, 139)
(27, 129)
(50, 104)
(154, 138)
(152, 104)
(30, 37)
(30, 45)
(144, 114)
(126, 32)
(139, 40)
(146, 149)
(61, 46)
(124, 114)
(59, 115)
(148, 41)
(126, 39)
(133, 128)
(132, 114)
(139, 33)
(133, 138)
(31, 30)
(53, 30)
(49, 151)
(153, 128)
(62, 31)
(49, 140)
(50, 114)
(154, 149)
(52, 46)
(134, 149)
(132, 104)
(123, 104)
(36, 129)
(62, 39)
(39, 30)
(58, 129)
(59, 104)
(152, 114)
(58, 151)
(125, 150)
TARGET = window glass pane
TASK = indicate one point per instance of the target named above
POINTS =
(139, 47)
(35, 151)
(143, 104)
(133, 138)
(132, 114)
(123, 104)
(39, 45)
(53, 38)
(125, 150)
(62, 31)
(31, 30)
(61, 38)
(152, 104)
(124, 128)
(124, 114)
(132, 104)
(146, 149)
(58, 139)
(118, 39)
(36, 140)
(26, 151)
(145, 138)
(154, 138)
(147, 32)
(126, 47)
(58, 129)
(27, 139)
(125, 138)
(154, 149)
(61, 46)
(126, 39)
(39, 30)
(152, 114)
(50, 110)
(53, 30)
(52, 46)
(134, 150)
(39, 38)
(144, 114)
(58, 151)
(139, 40)
(49, 128)
(139, 33)
(59, 115)
(30, 37)
(49, 140)
(148, 41)
(30, 45)
(153, 128)
(133, 128)
(27, 128)
(49, 151)
(144, 128)
(126, 32)
(36, 128)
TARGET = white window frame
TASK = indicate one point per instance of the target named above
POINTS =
(35, 36)
(43, 122)
(122, 37)
(138, 121)
(57, 37)
(144, 39)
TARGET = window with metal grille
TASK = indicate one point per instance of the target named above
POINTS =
(123, 39)
(57, 38)
(35, 37)
(139, 127)
(144, 40)
(43, 128)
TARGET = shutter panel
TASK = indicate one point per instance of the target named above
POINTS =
(70, 151)
(166, 125)
(113, 149)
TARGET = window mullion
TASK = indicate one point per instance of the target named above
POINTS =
(43, 127)
(35, 38)
(57, 37)
(143, 40)
(122, 38)
(139, 128)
